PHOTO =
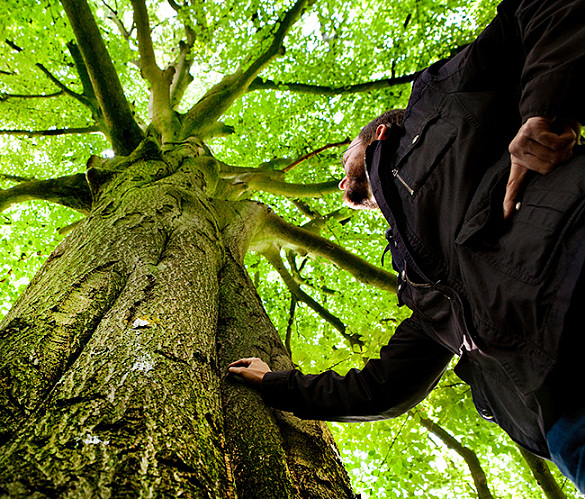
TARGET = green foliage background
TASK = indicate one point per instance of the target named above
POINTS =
(337, 44)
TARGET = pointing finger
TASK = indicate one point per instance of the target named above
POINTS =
(517, 175)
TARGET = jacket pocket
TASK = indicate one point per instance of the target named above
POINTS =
(525, 246)
(431, 140)
(425, 299)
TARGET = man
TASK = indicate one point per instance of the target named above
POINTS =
(489, 245)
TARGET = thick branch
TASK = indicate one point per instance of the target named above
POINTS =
(88, 92)
(275, 48)
(542, 475)
(182, 77)
(160, 80)
(264, 178)
(15, 178)
(221, 96)
(302, 240)
(150, 68)
(71, 191)
(261, 182)
(53, 132)
(470, 458)
(260, 84)
(122, 129)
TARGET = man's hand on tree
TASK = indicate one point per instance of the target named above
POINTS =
(540, 145)
(251, 369)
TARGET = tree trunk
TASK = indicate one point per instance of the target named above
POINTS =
(113, 362)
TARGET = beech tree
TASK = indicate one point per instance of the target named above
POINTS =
(162, 162)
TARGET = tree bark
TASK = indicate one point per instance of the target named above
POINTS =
(113, 362)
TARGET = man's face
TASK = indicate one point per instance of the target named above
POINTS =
(356, 186)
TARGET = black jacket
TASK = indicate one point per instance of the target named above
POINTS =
(496, 293)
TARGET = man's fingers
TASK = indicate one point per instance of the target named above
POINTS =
(540, 147)
(243, 362)
(251, 369)
(538, 157)
(517, 175)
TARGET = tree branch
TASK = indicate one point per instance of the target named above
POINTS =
(318, 223)
(264, 183)
(470, 458)
(302, 240)
(221, 96)
(4, 97)
(296, 273)
(265, 178)
(150, 68)
(52, 132)
(273, 256)
(163, 117)
(306, 88)
(182, 77)
(542, 475)
(289, 325)
(15, 178)
(71, 191)
(121, 127)
(78, 97)
(314, 153)
(113, 16)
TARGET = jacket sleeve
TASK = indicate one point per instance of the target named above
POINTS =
(553, 75)
(409, 367)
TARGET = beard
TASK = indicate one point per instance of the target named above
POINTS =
(358, 195)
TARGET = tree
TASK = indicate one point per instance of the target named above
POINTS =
(170, 129)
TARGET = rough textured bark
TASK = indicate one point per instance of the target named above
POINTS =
(113, 362)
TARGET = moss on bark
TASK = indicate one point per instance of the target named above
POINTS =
(114, 359)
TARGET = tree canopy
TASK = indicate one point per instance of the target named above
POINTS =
(275, 90)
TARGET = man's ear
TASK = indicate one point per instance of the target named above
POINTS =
(382, 132)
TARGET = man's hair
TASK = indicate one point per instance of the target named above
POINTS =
(368, 133)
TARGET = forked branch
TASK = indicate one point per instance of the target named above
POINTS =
(470, 458)
(221, 96)
(272, 255)
(271, 181)
(53, 79)
(275, 229)
(160, 80)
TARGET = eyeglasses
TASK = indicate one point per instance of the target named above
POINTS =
(343, 153)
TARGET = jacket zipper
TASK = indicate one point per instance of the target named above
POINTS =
(402, 181)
